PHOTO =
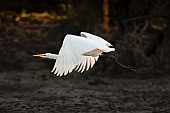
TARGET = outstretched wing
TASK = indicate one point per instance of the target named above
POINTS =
(95, 38)
(71, 55)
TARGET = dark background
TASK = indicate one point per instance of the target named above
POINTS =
(139, 30)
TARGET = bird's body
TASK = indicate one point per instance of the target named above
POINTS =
(78, 53)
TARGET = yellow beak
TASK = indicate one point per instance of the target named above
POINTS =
(39, 55)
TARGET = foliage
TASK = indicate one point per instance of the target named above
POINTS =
(138, 29)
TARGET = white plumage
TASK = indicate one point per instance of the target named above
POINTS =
(78, 53)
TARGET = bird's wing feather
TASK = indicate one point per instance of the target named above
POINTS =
(86, 63)
(95, 38)
(71, 55)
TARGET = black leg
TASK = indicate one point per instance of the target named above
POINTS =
(118, 62)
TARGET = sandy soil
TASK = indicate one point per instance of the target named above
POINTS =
(39, 91)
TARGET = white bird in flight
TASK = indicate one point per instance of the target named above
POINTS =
(80, 53)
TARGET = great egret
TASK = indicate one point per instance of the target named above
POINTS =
(79, 53)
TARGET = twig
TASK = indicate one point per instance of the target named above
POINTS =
(136, 18)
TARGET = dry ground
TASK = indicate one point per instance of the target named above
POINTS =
(39, 91)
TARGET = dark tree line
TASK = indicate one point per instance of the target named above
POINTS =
(138, 28)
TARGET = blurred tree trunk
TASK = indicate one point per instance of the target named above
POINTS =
(106, 18)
